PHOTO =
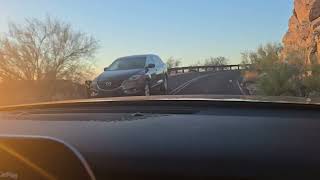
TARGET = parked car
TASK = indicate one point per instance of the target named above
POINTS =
(132, 75)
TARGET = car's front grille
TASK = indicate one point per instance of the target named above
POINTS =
(109, 85)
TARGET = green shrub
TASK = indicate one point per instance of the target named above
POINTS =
(264, 57)
(279, 79)
(283, 77)
(311, 83)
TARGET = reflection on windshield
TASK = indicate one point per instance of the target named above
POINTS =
(189, 49)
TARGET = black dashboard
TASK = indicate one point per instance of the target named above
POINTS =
(186, 139)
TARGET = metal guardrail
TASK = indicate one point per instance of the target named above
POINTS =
(179, 70)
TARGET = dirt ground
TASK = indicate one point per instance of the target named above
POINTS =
(24, 92)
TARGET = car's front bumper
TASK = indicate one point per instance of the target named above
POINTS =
(128, 88)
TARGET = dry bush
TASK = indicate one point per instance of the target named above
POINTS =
(45, 50)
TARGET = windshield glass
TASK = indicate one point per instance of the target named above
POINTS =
(107, 49)
(128, 63)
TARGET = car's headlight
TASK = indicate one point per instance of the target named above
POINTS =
(135, 77)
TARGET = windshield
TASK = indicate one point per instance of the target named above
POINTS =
(128, 63)
(62, 50)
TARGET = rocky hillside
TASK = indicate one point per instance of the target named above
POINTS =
(304, 29)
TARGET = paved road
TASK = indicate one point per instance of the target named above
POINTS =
(218, 83)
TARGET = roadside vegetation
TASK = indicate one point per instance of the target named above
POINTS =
(279, 75)
(48, 57)
(173, 62)
(215, 61)
(212, 61)
(46, 49)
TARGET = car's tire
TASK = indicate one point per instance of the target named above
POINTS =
(147, 91)
(164, 86)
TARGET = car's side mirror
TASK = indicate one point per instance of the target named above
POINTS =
(105, 69)
(151, 66)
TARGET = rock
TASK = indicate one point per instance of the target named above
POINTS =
(304, 29)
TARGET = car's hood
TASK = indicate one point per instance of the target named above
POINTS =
(118, 75)
(172, 98)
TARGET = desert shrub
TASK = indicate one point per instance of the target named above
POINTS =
(311, 82)
(279, 76)
(212, 61)
(280, 79)
(216, 61)
(263, 58)
(173, 62)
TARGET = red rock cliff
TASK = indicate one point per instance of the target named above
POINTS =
(304, 29)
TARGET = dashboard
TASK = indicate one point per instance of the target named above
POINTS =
(168, 139)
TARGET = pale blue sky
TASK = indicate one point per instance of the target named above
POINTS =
(187, 29)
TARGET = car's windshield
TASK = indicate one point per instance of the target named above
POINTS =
(62, 50)
(128, 63)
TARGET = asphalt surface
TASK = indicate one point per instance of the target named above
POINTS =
(217, 83)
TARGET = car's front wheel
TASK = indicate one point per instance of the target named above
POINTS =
(147, 89)
(164, 86)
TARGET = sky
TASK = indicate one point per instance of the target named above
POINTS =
(191, 30)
